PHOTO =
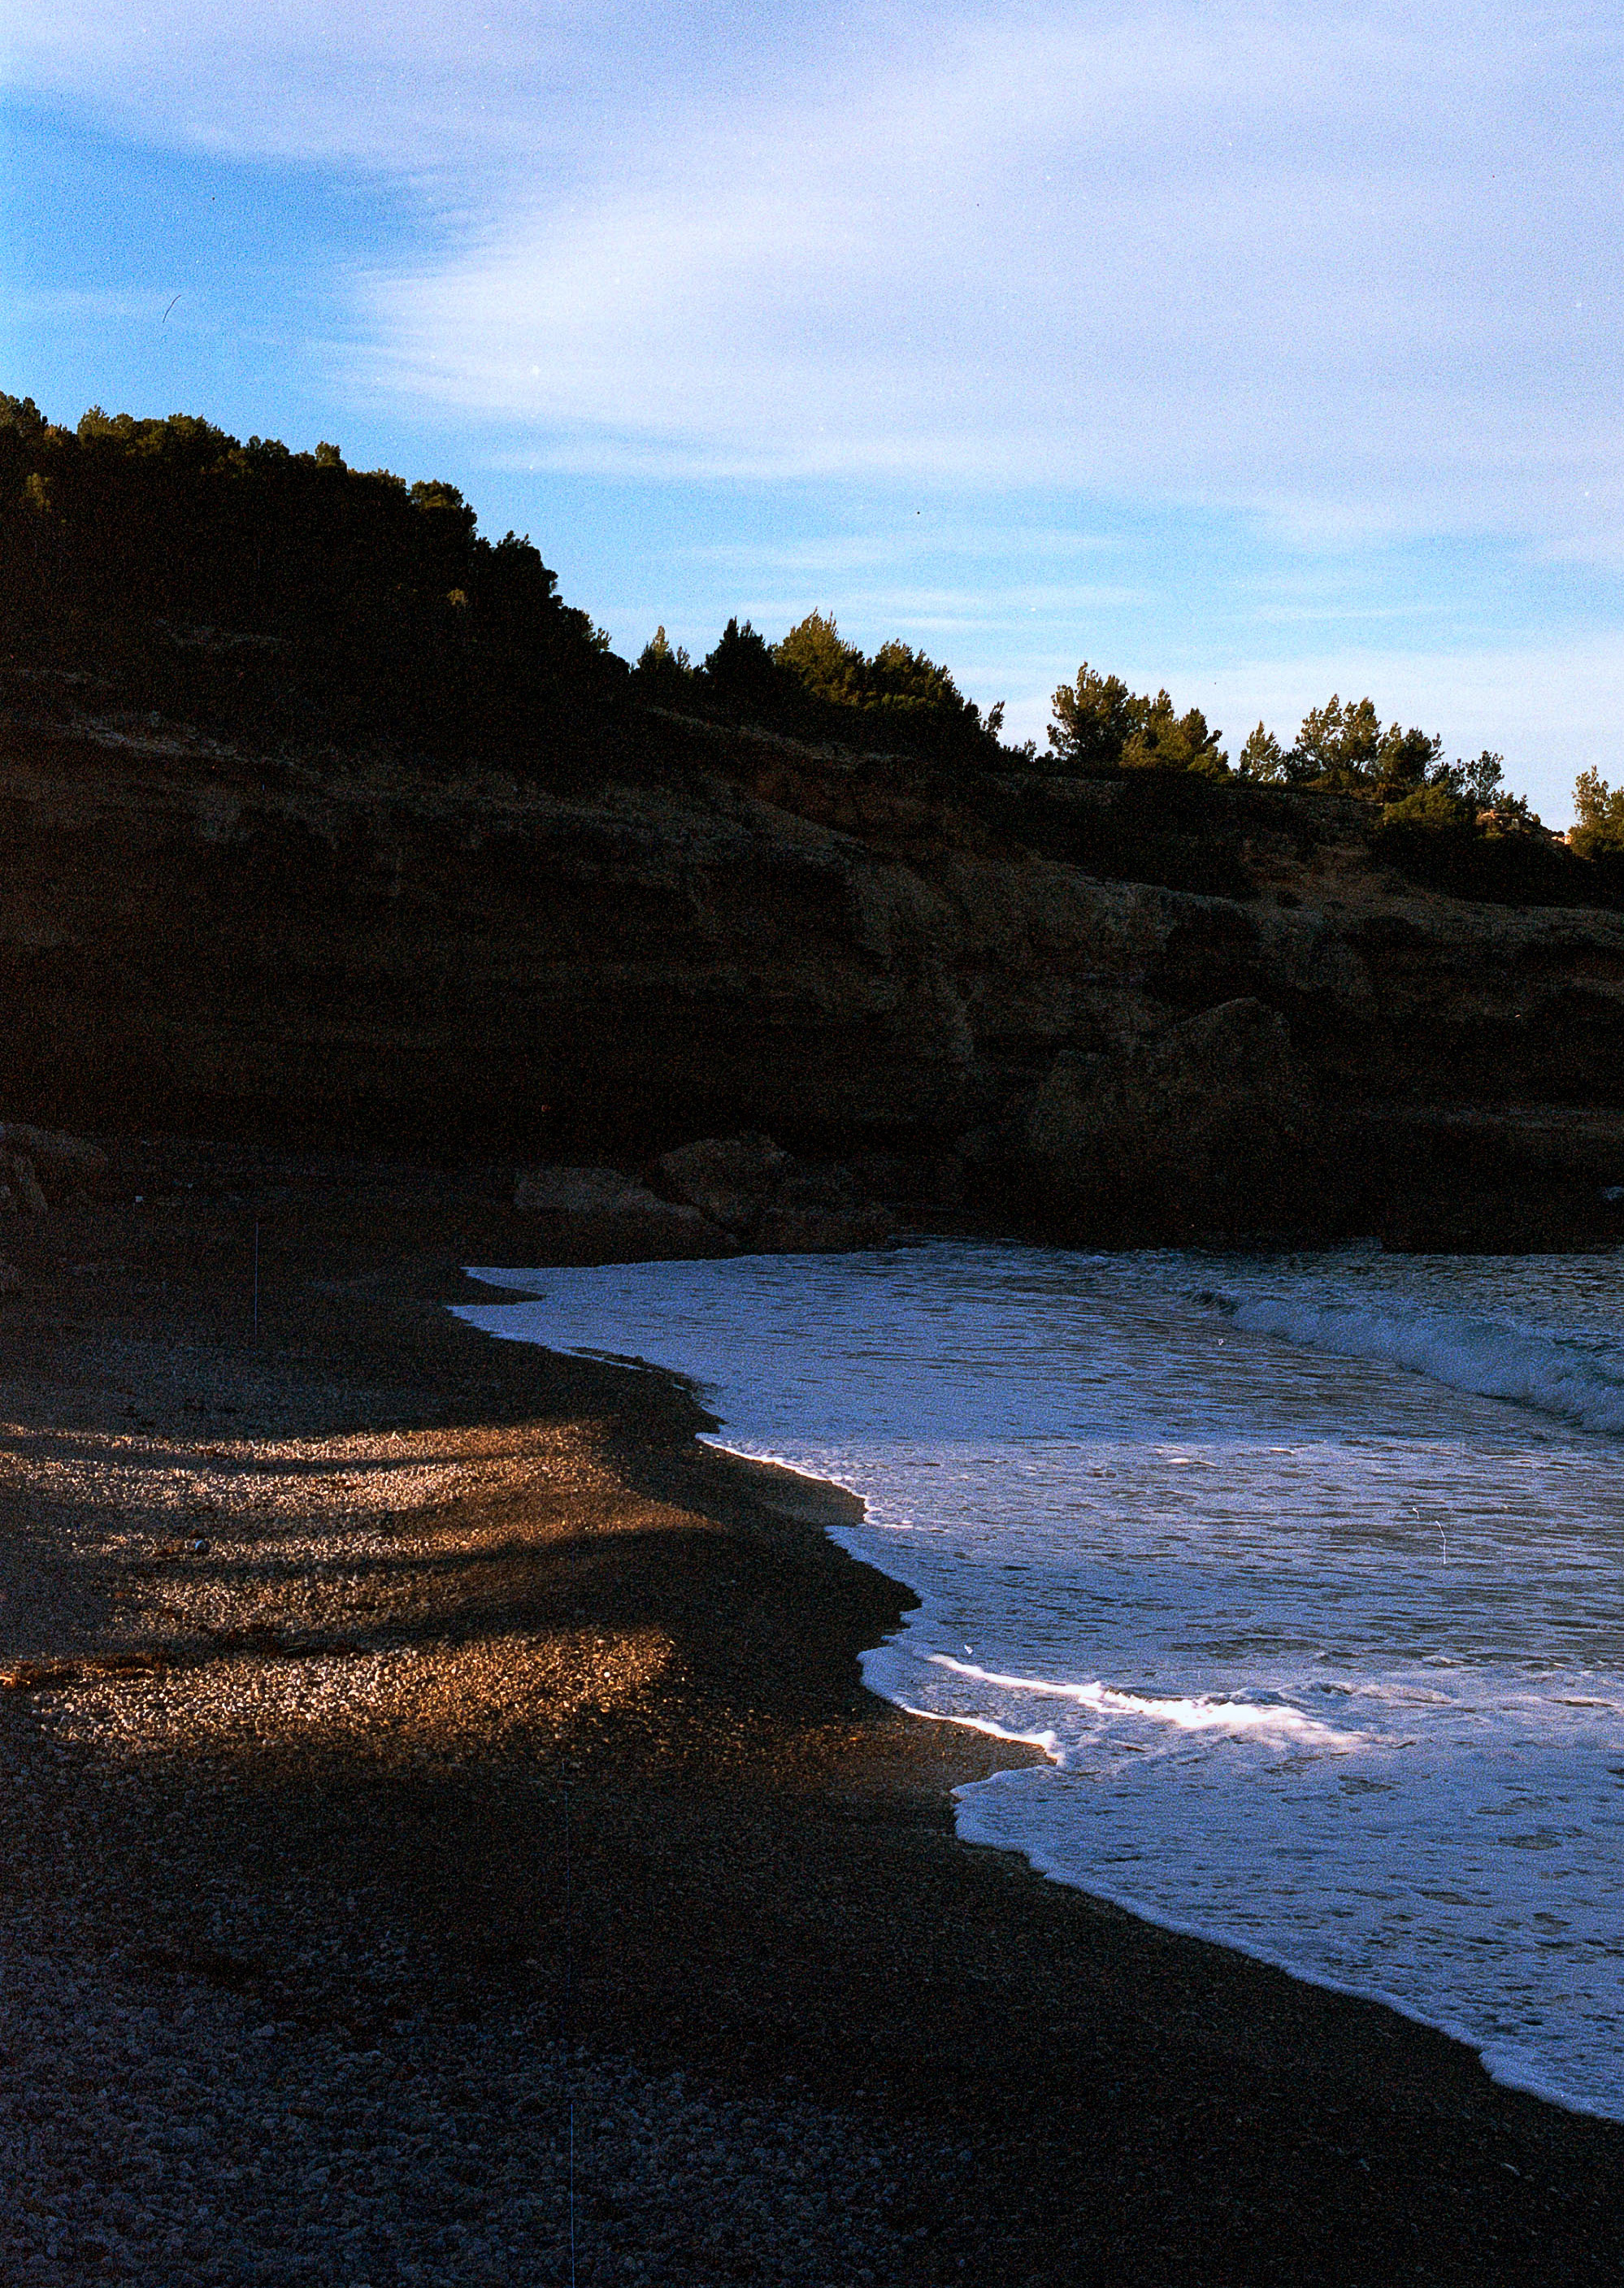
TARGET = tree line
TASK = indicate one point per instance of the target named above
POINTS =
(1341, 748)
(244, 584)
(248, 585)
(815, 685)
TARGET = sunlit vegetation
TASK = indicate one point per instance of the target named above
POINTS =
(164, 565)
(1600, 831)
(1100, 724)
(815, 685)
(1455, 825)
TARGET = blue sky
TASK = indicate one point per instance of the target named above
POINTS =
(1258, 350)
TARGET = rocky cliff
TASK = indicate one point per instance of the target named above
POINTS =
(759, 936)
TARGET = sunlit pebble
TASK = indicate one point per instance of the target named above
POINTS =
(210, 2128)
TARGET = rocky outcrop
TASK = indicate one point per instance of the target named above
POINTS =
(1204, 1125)
(19, 1191)
(225, 944)
(38, 1166)
(1492, 1179)
(597, 1215)
(723, 1195)
(62, 1165)
(766, 1202)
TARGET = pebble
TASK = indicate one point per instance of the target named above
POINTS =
(158, 2130)
(133, 2118)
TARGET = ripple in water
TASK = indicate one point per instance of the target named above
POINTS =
(1306, 1571)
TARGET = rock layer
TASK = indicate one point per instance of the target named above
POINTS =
(208, 942)
(1202, 1126)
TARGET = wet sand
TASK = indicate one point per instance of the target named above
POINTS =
(408, 1736)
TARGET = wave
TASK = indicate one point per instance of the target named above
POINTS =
(1490, 1358)
(1240, 1720)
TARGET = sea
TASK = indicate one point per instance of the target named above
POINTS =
(1306, 1571)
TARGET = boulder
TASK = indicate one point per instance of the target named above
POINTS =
(19, 1189)
(787, 1229)
(1497, 1179)
(58, 1165)
(599, 1215)
(766, 1201)
(730, 1179)
(1204, 1125)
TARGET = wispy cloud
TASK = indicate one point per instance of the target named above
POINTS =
(1351, 268)
(1205, 332)
(1332, 272)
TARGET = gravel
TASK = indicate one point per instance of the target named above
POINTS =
(166, 2119)
(157, 2129)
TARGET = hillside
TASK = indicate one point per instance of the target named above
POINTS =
(730, 930)
(328, 821)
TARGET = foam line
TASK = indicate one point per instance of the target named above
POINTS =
(1502, 2063)
(1009, 1403)
(1489, 1358)
(1241, 1719)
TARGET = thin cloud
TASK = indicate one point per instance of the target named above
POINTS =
(1328, 278)
(1330, 281)
(1350, 269)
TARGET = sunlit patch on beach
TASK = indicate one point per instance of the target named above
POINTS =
(503, 1694)
(382, 1595)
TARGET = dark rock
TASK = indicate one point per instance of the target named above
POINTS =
(730, 1179)
(1203, 1126)
(810, 1230)
(597, 1215)
(777, 939)
(1493, 1179)
(19, 1189)
(927, 1181)
(768, 1200)
(57, 1165)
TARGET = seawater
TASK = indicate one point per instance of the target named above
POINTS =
(1307, 1572)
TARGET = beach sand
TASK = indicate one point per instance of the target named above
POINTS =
(412, 1744)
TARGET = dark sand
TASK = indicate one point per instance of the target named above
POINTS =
(457, 1597)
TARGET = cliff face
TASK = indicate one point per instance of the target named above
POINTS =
(192, 938)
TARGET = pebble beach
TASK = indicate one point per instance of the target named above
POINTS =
(447, 1839)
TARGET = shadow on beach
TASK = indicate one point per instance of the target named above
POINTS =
(410, 1736)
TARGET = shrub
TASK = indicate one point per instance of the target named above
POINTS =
(1100, 725)
(245, 582)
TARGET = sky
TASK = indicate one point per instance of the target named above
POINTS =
(1258, 351)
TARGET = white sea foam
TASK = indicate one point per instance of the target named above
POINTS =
(1241, 1719)
(1569, 1376)
(1322, 1652)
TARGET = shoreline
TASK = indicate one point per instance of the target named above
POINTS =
(837, 1513)
(458, 1600)
(834, 1505)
